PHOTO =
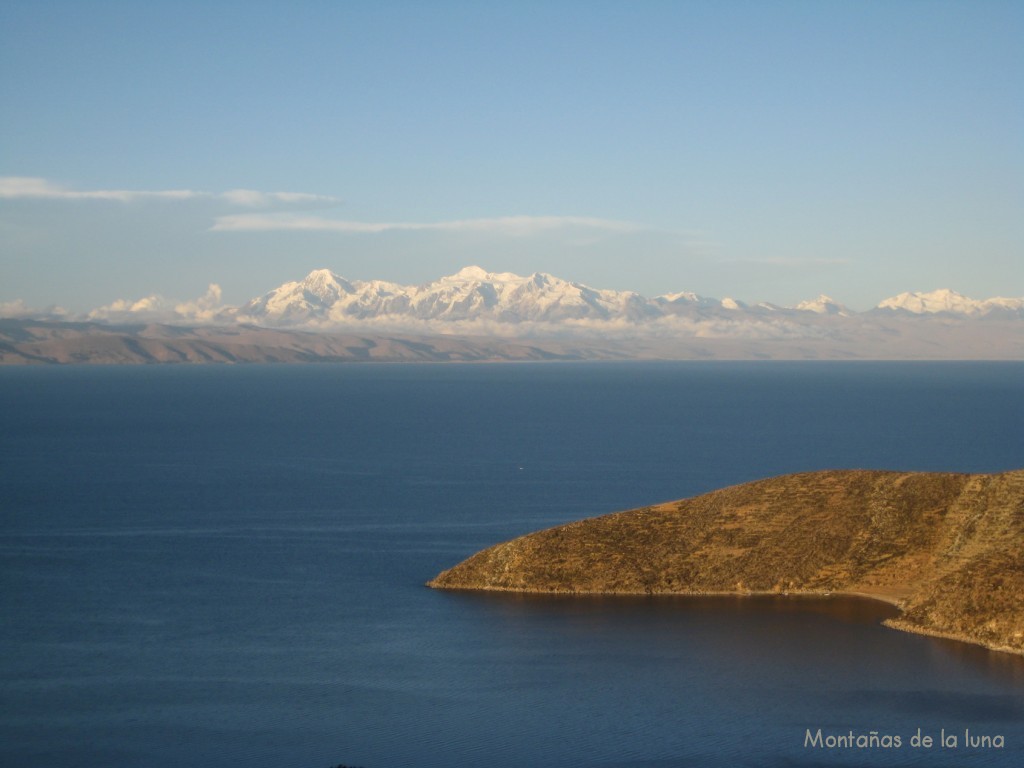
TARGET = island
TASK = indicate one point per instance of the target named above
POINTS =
(946, 548)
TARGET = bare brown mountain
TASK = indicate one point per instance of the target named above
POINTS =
(946, 548)
(31, 342)
(26, 341)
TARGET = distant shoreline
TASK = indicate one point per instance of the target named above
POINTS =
(49, 342)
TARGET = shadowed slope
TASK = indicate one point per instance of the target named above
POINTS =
(946, 548)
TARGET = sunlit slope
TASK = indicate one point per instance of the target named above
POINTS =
(947, 548)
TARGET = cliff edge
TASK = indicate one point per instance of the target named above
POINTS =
(948, 549)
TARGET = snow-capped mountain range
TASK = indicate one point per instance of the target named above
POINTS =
(475, 296)
(323, 298)
(946, 300)
(474, 300)
(476, 315)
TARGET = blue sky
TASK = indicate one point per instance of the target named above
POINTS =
(768, 151)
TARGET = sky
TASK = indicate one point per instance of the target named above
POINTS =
(767, 151)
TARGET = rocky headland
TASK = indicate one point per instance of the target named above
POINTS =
(947, 549)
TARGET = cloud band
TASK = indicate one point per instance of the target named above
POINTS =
(29, 187)
(513, 225)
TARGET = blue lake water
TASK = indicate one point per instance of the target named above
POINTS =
(222, 566)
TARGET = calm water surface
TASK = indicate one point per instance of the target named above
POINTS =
(224, 566)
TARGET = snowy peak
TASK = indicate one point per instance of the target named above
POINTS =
(468, 274)
(942, 300)
(473, 292)
(945, 300)
(680, 297)
(298, 301)
(685, 297)
(823, 305)
(325, 286)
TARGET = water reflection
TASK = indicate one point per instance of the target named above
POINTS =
(820, 636)
(740, 676)
(995, 664)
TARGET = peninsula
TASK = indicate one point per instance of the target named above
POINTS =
(947, 549)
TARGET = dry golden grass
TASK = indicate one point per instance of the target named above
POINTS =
(946, 548)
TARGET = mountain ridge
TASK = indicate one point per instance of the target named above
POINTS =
(28, 342)
(324, 299)
(946, 300)
(475, 293)
(538, 309)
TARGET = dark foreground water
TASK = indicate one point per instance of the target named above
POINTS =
(223, 567)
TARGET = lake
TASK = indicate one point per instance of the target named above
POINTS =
(219, 566)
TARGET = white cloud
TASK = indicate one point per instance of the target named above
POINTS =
(504, 225)
(247, 197)
(254, 199)
(29, 187)
(12, 187)
(129, 308)
(156, 308)
(16, 308)
(35, 188)
(205, 308)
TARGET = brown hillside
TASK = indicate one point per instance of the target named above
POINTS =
(946, 548)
